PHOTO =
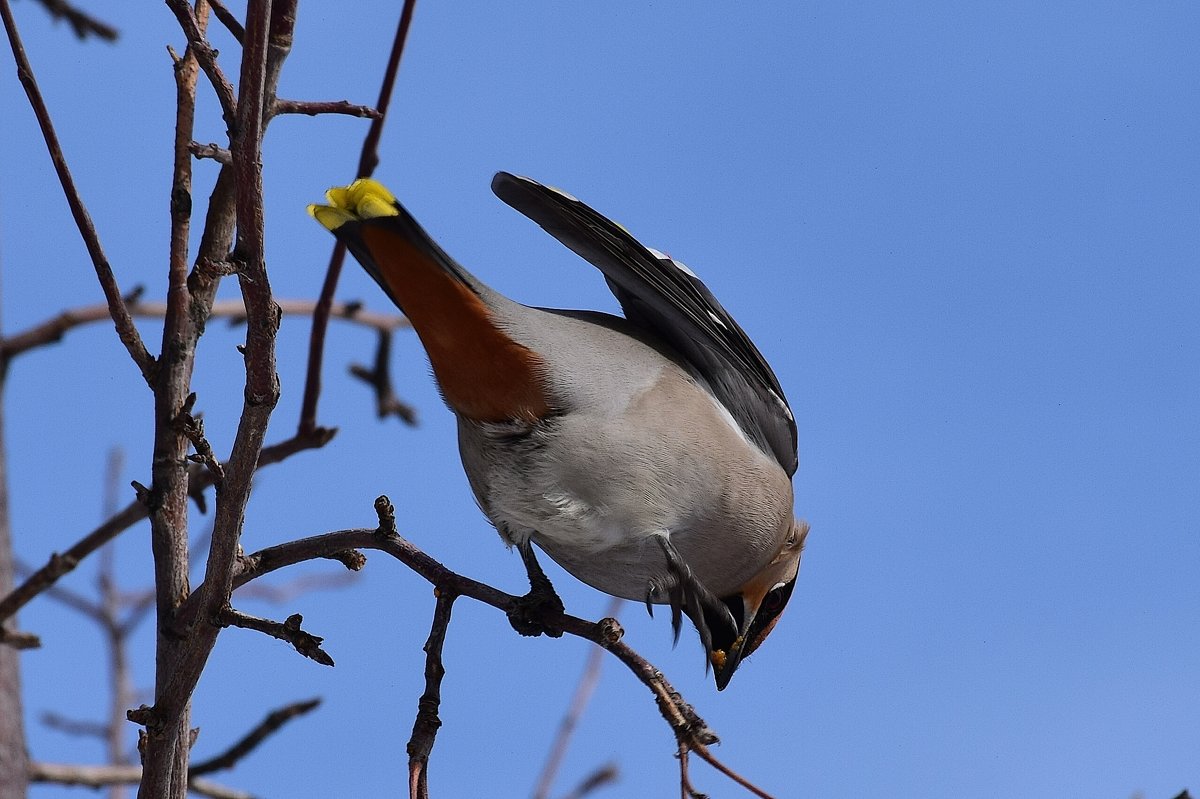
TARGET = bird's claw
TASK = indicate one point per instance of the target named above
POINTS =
(537, 612)
(686, 594)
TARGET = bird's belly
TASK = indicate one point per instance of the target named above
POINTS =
(593, 497)
(612, 546)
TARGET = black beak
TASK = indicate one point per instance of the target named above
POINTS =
(754, 624)
(727, 641)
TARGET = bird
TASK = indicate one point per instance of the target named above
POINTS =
(650, 455)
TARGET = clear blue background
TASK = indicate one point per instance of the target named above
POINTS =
(965, 235)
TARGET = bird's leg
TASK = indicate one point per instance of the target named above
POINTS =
(688, 595)
(533, 613)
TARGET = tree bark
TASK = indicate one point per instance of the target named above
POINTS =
(14, 775)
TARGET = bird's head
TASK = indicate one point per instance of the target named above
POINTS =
(755, 607)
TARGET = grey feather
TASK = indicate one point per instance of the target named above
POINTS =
(660, 295)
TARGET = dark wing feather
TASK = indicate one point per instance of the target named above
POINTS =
(661, 295)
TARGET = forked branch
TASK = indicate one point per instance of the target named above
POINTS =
(691, 732)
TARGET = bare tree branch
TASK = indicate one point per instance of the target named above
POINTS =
(84, 25)
(266, 42)
(368, 158)
(289, 630)
(108, 281)
(379, 378)
(121, 692)
(14, 754)
(313, 108)
(15, 639)
(77, 727)
(193, 428)
(206, 55)
(597, 779)
(227, 18)
(709, 758)
(426, 725)
(566, 728)
(66, 597)
(249, 742)
(691, 732)
(62, 564)
(52, 330)
(214, 151)
(278, 594)
(101, 776)
(164, 755)
(686, 789)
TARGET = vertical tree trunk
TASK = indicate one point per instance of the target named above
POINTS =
(13, 756)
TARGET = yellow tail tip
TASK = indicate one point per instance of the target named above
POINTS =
(363, 199)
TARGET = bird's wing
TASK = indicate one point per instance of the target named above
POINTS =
(662, 295)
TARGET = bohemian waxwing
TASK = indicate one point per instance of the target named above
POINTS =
(650, 456)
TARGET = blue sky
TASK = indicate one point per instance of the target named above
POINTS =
(966, 237)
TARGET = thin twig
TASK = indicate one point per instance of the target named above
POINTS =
(379, 378)
(249, 742)
(66, 597)
(278, 594)
(313, 108)
(77, 727)
(597, 779)
(288, 630)
(427, 723)
(83, 221)
(193, 428)
(579, 702)
(100, 776)
(227, 18)
(52, 330)
(18, 640)
(206, 55)
(368, 158)
(121, 694)
(76, 602)
(262, 381)
(709, 758)
(214, 151)
(686, 789)
(139, 605)
(84, 25)
(61, 564)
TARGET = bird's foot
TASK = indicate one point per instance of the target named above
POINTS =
(687, 595)
(539, 611)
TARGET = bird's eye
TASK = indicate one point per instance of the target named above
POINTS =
(773, 601)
